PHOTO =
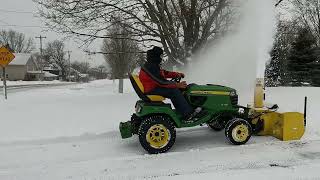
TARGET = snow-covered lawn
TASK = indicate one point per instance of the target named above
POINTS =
(71, 132)
(64, 111)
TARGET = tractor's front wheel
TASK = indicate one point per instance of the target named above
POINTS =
(238, 131)
(157, 134)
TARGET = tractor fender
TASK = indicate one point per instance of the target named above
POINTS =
(176, 121)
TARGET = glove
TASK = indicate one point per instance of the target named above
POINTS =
(181, 75)
(182, 85)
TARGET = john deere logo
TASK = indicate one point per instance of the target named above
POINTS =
(223, 93)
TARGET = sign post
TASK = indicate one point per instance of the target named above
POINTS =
(4, 82)
(5, 58)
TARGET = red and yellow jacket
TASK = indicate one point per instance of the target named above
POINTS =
(152, 77)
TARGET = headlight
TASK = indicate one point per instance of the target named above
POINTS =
(241, 111)
(233, 93)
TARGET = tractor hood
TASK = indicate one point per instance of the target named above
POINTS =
(215, 98)
(211, 89)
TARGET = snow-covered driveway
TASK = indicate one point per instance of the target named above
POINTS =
(72, 133)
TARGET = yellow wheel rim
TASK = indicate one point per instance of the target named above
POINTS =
(240, 133)
(158, 136)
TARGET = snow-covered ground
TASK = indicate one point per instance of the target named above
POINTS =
(71, 132)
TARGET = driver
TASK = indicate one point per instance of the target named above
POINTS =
(154, 81)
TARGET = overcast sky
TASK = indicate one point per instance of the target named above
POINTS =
(23, 14)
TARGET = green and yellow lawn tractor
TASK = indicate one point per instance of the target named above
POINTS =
(155, 122)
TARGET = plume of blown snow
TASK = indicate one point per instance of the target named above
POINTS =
(240, 56)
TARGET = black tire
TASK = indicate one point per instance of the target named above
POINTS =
(216, 126)
(238, 131)
(149, 127)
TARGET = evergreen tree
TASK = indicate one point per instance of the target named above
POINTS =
(302, 54)
(315, 70)
(273, 72)
(276, 69)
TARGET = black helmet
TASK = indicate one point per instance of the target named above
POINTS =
(154, 55)
(157, 51)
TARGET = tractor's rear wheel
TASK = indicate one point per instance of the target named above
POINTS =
(157, 134)
(238, 131)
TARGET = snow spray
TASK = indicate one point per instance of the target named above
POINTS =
(241, 55)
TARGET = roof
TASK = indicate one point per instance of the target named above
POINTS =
(21, 59)
(47, 74)
(48, 69)
(35, 72)
(84, 75)
(52, 67)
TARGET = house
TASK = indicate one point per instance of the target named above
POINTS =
(23, 67)
(49, 76)
(76, 76)
(53, 69)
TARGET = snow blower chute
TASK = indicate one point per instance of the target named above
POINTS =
(284, 126)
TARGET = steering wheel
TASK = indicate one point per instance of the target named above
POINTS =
(177, 79)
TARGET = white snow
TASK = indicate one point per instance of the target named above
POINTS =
(71, 132)
(64, 111)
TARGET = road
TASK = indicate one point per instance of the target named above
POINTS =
(17, 88)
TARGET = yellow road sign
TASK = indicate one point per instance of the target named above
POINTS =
(5, 56)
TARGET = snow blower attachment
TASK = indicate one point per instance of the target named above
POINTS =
(268, 122)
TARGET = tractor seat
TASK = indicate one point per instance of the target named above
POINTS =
(139, 89)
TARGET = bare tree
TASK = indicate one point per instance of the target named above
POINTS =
(279, 1)
(181, 26)
(98, 72)
(16, 41)
(122, 54)
(56, 54)
(307, 13)
(82, 67)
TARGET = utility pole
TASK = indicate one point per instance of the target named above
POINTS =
(4, 79)
(69, 72)
(41, 55)
(90, 57)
